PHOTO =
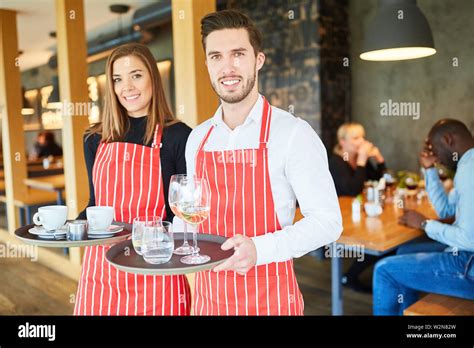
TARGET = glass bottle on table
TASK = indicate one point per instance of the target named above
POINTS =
(194, 207)
(173, 198)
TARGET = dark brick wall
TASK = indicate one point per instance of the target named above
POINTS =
(335, 70)
(305, 45)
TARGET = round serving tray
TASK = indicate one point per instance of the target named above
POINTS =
(124, 257)
(32, 239)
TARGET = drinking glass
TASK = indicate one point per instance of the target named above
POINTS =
(173, 198)
(157, 242)
(194, 206)
(139, 224)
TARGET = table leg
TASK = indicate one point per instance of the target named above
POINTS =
(336, 288)
(28, 215)
(59, 197)
(22, 217)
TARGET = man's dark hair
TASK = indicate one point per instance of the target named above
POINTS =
(231, 19)
(449, 126)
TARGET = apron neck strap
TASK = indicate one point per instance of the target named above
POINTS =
(264, 128)
(157, 137)
(266, 120)
(204, 140)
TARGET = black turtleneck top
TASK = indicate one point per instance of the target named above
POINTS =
(172, 154)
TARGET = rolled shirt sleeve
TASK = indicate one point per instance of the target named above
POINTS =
(307, 171)
(437, 194)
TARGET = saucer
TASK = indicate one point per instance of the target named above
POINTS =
(111, 230)
(40, 231)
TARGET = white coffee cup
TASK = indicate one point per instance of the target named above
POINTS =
(51, 217)
(373, 209)
(99, 218)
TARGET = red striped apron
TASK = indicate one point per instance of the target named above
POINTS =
(128, 177)
(242, 203)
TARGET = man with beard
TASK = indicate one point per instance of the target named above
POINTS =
(258, 160)
(444, 262)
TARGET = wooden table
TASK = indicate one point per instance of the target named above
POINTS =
(371, 235)
(49, 183)
(37, 170)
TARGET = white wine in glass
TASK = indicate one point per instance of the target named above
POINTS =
(173, 198)
(194, 206)
(194, 215)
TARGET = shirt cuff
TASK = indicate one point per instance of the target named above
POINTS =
(266, 248)
(432, 173)
(431, 229)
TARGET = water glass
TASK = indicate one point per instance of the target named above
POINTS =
(157, 242)
(139, 224)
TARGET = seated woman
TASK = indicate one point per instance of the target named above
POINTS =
(350, 168)
(46, 146)
(350, 165)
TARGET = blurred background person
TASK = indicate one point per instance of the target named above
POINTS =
(350, 168)
(349, 164)
(443, 261)
(45, 146)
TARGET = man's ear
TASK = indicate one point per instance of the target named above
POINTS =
(448, 139)
(260, 60)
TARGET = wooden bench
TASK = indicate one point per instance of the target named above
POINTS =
(433, 304)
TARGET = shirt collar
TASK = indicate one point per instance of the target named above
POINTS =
(466, 157)
(255, 114)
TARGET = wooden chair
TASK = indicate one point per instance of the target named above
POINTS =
(433, 304)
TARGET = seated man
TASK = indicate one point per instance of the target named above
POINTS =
(445, 265)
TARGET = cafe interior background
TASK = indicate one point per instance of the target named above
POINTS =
(313, 69)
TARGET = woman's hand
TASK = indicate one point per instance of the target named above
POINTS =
(363, 153)
(375, 152)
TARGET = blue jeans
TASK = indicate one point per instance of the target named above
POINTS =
(421, 267)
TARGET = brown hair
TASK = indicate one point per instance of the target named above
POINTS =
(231, 19)
(115, 122)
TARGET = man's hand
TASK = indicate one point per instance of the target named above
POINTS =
(427, 157)
(412, 218)
(244, 258)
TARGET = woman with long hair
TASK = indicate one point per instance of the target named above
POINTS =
(130, 156)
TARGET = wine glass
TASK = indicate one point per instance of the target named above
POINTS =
(173, 198)
(194, 206)
(157, 242)
(139, 225)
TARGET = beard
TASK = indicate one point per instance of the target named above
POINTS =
(446, 158)
(236, 97)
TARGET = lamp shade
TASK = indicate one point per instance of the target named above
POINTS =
(399, 31)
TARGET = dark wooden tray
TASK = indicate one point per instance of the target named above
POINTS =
(124, 257)
(32, 239)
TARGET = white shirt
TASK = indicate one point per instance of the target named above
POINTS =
(298, 169)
